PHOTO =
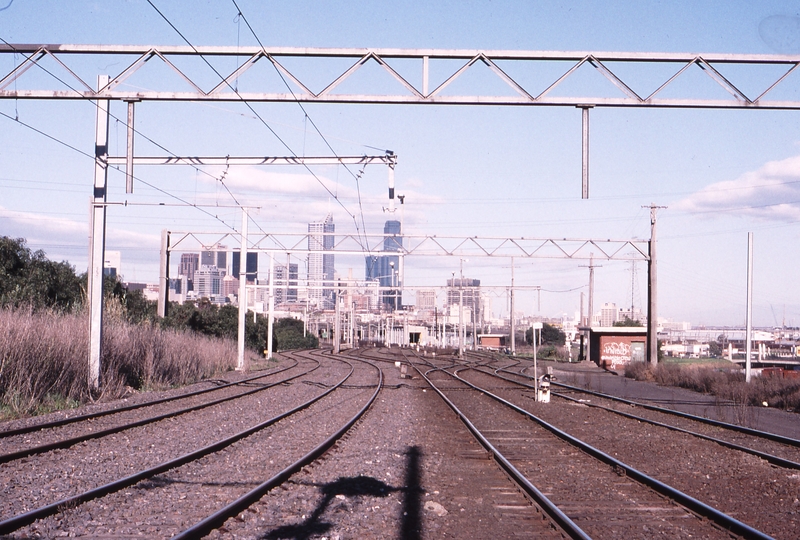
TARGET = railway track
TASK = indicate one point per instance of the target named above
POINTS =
(596, 491)
(774, 448)
(207, 482)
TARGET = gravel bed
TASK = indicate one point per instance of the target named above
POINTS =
(171, 502)
(601, 501)
(38, 480)
(738, 484)
(177, 402)
(409, 469)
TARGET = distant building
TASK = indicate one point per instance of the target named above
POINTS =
(426, 299)
(321, 265)
(608, 315)
(285, 283)
(217, 256)
(112, 263)
(189, 264)
(386, 268)
(470, 289)
(251, 269)
(208, 282)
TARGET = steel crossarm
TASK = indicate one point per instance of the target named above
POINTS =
(508, 66)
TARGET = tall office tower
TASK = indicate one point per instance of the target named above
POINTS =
(320, 266)
(470, 290)
(392, 243)
(189, 264)
(251, 268)
(386, 268)
(285, 283)
(207, 282)
(216, 256)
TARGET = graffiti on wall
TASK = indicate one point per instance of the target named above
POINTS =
(616, 354)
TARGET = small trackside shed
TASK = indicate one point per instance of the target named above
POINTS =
(492, 341)
(617, 346)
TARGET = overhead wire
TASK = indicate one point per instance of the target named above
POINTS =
(117, 168)
(250, 107)
(124, 122)
(309, 119)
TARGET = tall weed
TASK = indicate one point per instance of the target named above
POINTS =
(44, 359)
(727, 385)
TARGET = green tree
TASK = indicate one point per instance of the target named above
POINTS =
(628, 322)
(29, 278)
(288, 334)
(549, 335)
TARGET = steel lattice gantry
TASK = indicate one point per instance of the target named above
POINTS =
(507, 66)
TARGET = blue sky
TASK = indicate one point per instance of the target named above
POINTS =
(488, 171)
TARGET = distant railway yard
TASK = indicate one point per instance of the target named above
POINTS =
(400, 443)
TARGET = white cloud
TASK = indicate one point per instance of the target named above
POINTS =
(770, 193)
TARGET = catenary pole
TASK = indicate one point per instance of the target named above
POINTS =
(511, 319)
(242, 290)
(749, 325)
(97, 240)
(652, 290)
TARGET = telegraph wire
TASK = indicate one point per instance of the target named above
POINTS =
(309, 119)
(249, 106)
(124, 122)
(116, 168)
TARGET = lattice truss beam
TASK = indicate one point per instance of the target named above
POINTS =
(421, 245)
(523, 77)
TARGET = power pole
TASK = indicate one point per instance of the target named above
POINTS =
(588, 322)
(511, 319)
(97, 241)
(591, 267)
(749, 317)
(652, 291)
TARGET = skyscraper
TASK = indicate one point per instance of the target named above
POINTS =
(189, 264)
(251, 268)
(321, 266)
(285, 283)
(386, 268)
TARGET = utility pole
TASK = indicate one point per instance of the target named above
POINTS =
(749, 325)
(652, 291)
(461, 310)
(242, 291)
(590, 314)
(97, 240)
(511, 319)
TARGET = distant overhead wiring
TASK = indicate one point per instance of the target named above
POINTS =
(249, 106)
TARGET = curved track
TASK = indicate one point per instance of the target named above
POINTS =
(168, 495)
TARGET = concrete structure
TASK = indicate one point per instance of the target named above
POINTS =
(208, 282)
(608, 315)
(320, 265)
(285, 283)
(426, 299)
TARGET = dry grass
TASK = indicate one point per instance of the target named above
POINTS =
(44, 366)
(726, 384)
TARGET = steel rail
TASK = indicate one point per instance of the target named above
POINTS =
(718, 423)
(89, 416)
(217, 519)
(553, 511)
(775, 460)
(66, 443)
(21, 520)
(720, 518)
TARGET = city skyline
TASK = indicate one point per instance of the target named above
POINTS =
(463, 170)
